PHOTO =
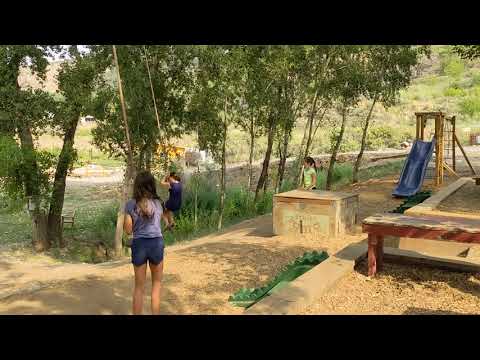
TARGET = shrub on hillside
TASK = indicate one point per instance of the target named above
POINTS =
(452, 66)
(476, 78)
(454, 91)
(470, 106)
(383, 136)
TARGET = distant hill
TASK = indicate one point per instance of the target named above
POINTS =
(27, 79)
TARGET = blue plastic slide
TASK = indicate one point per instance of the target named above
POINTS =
(414, 169)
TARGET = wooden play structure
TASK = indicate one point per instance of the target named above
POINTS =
(446, 143)
(173, 152)
(314, 212)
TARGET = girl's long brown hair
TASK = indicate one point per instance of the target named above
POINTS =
(144, 191)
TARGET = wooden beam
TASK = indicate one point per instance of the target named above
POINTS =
(465, 155)
(450, 170)
(453, 144)
(430, 114)
(372, 254)
(437, 151)
(422, 127)
(413, 232)
(417, 134)
(441, 148)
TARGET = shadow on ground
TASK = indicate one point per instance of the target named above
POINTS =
(89, 296)
(4, 266)
(421, 311)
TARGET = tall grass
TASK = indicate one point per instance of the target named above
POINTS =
(239, 204)
(97, 222)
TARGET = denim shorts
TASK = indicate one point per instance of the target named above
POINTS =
(169, 206)
(147, 249)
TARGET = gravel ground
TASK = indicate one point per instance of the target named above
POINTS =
(400, 289)
(464, 200)
(201, 275)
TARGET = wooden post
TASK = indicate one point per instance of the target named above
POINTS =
(440, 149)
(417, 135)
(372, 254)
(422, 127)
(465, 155)
(437, 155)
(453, 144)
(379, 252)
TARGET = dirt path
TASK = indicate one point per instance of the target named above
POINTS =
(199, 276)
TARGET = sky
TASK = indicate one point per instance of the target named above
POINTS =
(56, 58)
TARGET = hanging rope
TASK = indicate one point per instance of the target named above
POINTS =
(152, 91)
(124, 111)
(155, 106)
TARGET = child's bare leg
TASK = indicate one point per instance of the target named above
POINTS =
(171, 219)
(165, 218)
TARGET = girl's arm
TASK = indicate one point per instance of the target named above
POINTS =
(314, 182)
(128, 224)
(165, 182)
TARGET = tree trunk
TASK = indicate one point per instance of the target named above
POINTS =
(280, 156)
(333, 158)
(250, 157)
(262, 180)
(31, 167)
(129, 173)
(283, 161)
(32, 190)
(141, 159)
(195, 213)
(223, 173)
(39, 232)
(313, 112)
(148, 160)
(54, 232)
(358, 161)
(301, 152)
(126, 191)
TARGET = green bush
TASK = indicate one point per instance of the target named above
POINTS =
(454, 91)
(470, 106)
(383, 136)
(452, 66)
(105, 224)
(476, 78)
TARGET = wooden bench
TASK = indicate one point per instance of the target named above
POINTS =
(422, 227)
(477, 179)
(68, 217)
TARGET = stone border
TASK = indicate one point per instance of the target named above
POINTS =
(429, 206)
(307, 288)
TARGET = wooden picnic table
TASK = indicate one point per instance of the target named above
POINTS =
(477, 179)
(443, 228)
